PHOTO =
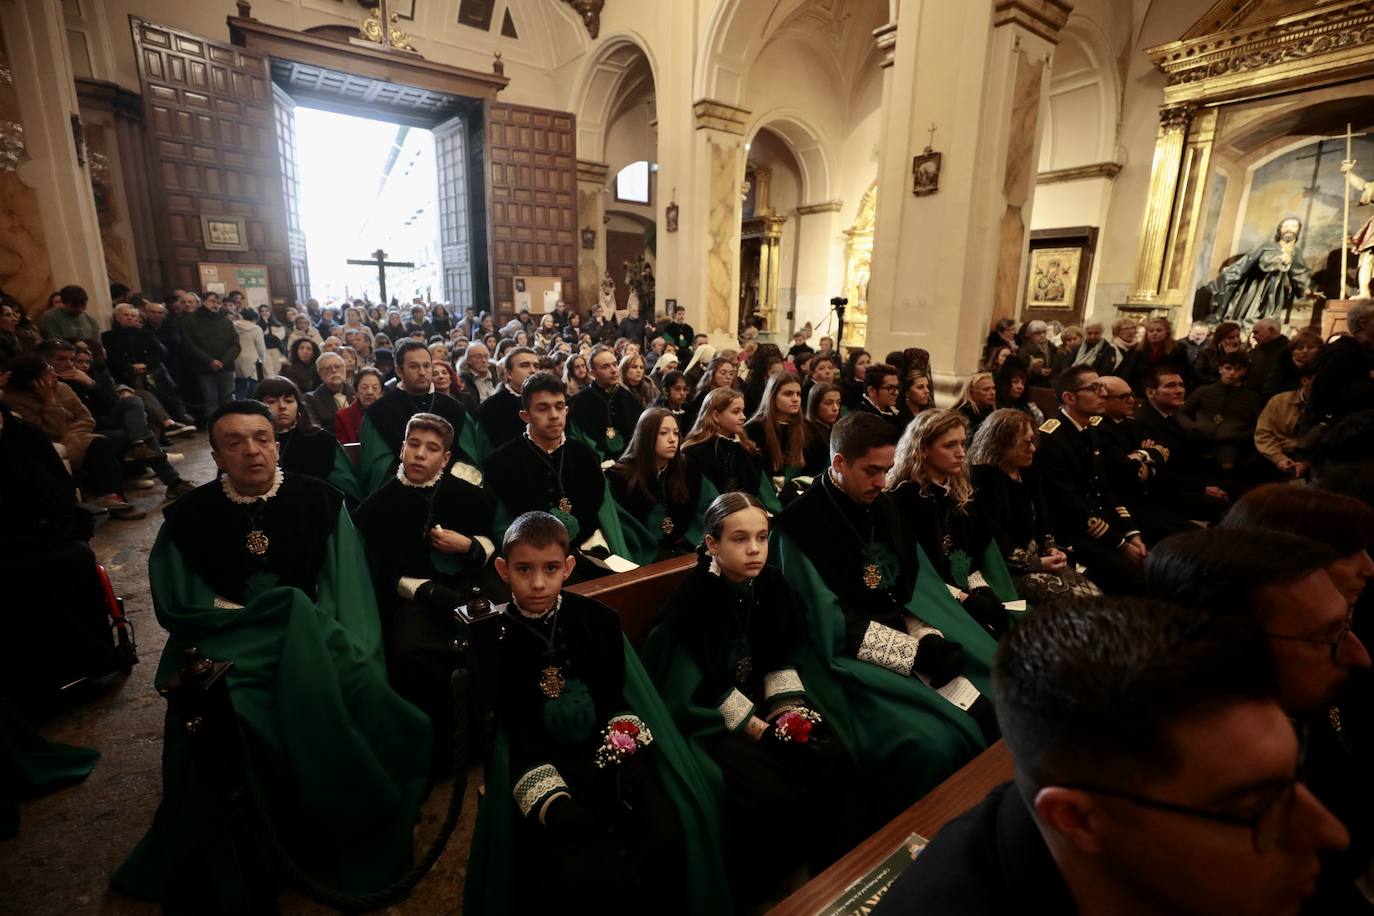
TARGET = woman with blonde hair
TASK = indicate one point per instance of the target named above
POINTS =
(719, 449)
(977, 399)
(931, 487)
(634, 379)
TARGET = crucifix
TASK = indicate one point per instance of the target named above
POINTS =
(379, 259)
(931, 144)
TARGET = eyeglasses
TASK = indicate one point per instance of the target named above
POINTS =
(1335, 642)
(888, 387)
(1091, 386)
(1120, 397)
(1267, 827)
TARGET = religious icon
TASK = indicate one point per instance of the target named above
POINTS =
(588, 239)
(926, 171)
(551, 682)
(670, 217)
(256, 542)
(1053, 278)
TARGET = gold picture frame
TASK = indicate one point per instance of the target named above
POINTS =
(1053, 278)
(223, 233)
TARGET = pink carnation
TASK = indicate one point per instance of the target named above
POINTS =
(622, 742)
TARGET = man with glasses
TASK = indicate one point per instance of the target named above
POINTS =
(1155, 773)
(1280, 581)
(1133, 462)
(881, 390)
(1089, 518)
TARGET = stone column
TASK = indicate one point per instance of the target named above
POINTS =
(35, 38)
(1159, 205)
(820, 269)
(946, 263)
(591, 214)
(718, 175)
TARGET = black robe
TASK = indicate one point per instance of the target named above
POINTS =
(393, 410)
(211, 533)
(499, 417)
(640, 504)
(634, 850)
(419, 636)
(725, 463)
(940, 528)
(307, 453)
(525, 478)
(593, 411)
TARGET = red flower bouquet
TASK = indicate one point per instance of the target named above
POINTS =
(795, 725)
(621, 739)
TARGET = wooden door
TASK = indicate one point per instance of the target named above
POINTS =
(212, 152)
(531, 200)
(455, 237)
(285, 109)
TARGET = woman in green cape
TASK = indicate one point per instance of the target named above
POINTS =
(719, 450)
(659, 505)
(730, 658)
(930, 485)
(779, 429)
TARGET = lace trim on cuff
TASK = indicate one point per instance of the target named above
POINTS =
(735, 709)
(536, 786)
(782, 683)
(887, 648)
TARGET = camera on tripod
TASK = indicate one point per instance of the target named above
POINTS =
(839, 300)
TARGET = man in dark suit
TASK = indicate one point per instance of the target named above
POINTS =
(334, 392)
(1270, 345)
(499, 415)
(1344, 382)
(1154, 774)
(881, 390)
(1133, 463)
(135, 356)
(1185, 480)
(1089, 517)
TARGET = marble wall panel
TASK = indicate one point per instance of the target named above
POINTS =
(722, 254)
(25, 269)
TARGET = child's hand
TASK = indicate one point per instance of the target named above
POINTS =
(448, 541)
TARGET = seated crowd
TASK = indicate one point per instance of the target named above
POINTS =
(1136, 559)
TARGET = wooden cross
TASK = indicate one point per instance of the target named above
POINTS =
(379, 259)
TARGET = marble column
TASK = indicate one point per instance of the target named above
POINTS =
(718, 172)
(56, 165)
(820, 268)
(591, 214)
(945, 264)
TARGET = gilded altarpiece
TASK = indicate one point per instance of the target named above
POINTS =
(858, 268)
(1248, 81)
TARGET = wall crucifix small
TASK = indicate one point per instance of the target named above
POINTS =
(925, 168)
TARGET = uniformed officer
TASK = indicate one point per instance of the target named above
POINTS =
(1089, 519)
(1133, 463)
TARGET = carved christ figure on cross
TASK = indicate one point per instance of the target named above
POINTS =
(1362, 242)
(379, 259)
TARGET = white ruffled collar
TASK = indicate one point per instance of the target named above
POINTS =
(557, 603)
(405, 481)
(235, 496)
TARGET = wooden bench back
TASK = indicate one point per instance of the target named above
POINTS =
(1044, 399)
(354, 451)
(638, 595)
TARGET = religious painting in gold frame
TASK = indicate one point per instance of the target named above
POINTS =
(1052, 281)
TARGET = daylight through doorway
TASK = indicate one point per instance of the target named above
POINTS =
(367, 185)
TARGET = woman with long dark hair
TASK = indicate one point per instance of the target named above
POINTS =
(674, 396)
(300, 366)
(780, 431)
(303, 446)
(730, 658)
(765, 360)
(1013, 389)
(823, 410)
(439, 320)
(657, 502)
(851, 382)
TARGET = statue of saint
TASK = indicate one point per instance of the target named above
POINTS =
(1362, 242)
(1264, 283)
(607, 295)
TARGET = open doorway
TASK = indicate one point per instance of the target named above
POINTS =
(367, 184)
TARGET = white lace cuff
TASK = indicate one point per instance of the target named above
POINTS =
(888, 648)
(536, 787)
(784, 683)
(735, 709)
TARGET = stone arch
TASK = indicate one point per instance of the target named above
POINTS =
(1092, 73)
(808, 146)
(736, 33)
(599, 86)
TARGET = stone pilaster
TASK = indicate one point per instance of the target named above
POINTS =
(718, 165)
(591, 214)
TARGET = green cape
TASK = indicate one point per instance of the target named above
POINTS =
(642, 536)
(342, 760)
(344, 477)
(30, 764)
(491, 876)
(906, 738)
(607, 519)
(376, 461)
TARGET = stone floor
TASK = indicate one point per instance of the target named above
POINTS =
(71, 840)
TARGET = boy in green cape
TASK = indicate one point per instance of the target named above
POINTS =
(592, 797)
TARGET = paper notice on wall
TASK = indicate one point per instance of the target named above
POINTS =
(253, 282)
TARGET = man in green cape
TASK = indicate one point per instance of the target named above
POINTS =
(603, 415)
(909, 667)
(384, 423)
(263, 569)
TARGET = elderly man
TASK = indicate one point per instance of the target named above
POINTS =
(1344, 382)
(333, 394)
(263, 569)
(210, 345)
(1133, 462)
(1095, 352)
(478, 379)
(384, 425)
(1270, 345)
(137, 357)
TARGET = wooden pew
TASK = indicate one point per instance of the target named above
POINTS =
(638, 594)
(945, 802)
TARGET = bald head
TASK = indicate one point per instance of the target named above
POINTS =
(1265, 330)
(1118, 403)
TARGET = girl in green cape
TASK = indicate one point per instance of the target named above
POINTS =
(719, 449)
(780, 432)
(659, 505)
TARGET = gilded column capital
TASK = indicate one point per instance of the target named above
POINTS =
(1045, 18)
(591, 171)
(1176, 119)
(710, 114)
(885, 37)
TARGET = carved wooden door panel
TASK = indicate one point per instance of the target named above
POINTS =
(455, 237)
(212, 152)
(531, 200)
(285, 109)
